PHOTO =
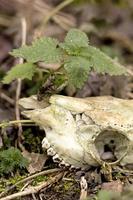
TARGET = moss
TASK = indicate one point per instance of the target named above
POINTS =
(39, 179)
(67, 186)
(5, 183)
(32, 139)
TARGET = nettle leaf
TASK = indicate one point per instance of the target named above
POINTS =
(22, 71)
(43, 49)
(74, 41)
(76, 38)
(103, 63)
(77, 69)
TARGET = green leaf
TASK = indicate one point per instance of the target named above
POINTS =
(104, 195)
(78, 69)
(22, 71)
(43, 49)
(103, 63)
(74, 42)
(76, 38)
(10, 160)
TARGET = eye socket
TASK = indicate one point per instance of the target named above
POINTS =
(111, 145)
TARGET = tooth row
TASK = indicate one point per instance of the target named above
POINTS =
(82, 119)
(55, 156)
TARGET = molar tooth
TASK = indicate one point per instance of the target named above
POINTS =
(85, 118)
(78, 117)
(45, 143)
(51, 152)
(57, 159)
(72, 167)
(73, 113)
(80, 122)
(63, 164)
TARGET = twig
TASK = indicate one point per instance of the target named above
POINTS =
(130, 72)
(34, 190)
(40, 6)
(56, 10)
(59, 18)
(10, 123)
(8, 99)
(45, 172)
(19, 81)
(84, 187)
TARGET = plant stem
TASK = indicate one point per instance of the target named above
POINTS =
(57, 9)
(15, 122)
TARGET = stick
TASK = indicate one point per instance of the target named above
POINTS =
(45, 172)
(34, 190)
(19, 81)
(84, 187)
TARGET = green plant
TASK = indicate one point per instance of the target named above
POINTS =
(11, 160)
(75, 57)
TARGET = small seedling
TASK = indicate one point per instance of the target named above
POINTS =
(11, 160)
(75, 57)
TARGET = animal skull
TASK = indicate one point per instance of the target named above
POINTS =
(85, 132)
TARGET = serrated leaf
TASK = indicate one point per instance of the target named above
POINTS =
(71, 50)
(78, 69)
(74, 42)
(76, 38)
(22, 71)
(103, 63)
(43, 49)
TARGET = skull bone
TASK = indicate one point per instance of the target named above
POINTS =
(86, 131)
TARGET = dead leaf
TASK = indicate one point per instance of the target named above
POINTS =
(36, 161)
(115, 186)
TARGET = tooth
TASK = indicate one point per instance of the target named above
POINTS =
(51, 152)
(80, 122)
(78, 168)
(72, 167)
(63, 164)
(45, 143)
(84, 117)
(57, 159)
(73, 113)
(78, 117)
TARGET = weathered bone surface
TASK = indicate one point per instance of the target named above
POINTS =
(83, 132)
